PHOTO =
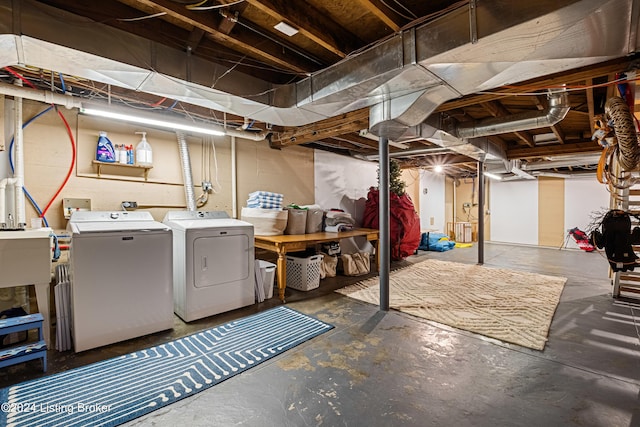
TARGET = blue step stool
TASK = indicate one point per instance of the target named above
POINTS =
(22, 353)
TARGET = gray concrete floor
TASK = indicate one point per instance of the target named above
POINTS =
(392, 369)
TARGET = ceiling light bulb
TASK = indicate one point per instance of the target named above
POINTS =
(438, 169)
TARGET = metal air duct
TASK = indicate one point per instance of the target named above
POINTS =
(403, 79)
(470, 139)
(556, 111)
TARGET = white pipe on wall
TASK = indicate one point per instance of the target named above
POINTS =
(455, 209)
(3, 214)
(18, 173)
(234, 179)
(45, 96)
(250, 135)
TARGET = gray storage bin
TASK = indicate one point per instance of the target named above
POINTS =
(314, 220)
(296, 222)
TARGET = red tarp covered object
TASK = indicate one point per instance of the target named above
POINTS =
(404, 222)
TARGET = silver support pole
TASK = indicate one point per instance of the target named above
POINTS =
(480, 212)
(385, 236)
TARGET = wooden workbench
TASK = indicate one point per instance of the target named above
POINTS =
(282, 244)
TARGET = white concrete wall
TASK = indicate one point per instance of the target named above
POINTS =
(342, 182)
(514, 212)
(432, 204)
(585, 199)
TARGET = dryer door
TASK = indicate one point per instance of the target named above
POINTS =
(221, 259)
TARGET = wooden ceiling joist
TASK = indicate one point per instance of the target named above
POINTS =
(384, 13)
(195, 37)
(247, 42)
(305, 18)
(328, 128)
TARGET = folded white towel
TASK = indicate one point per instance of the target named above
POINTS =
(265, 194)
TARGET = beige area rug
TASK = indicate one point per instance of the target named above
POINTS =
(512, 306)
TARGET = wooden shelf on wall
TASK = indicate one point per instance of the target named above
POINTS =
(100, 165)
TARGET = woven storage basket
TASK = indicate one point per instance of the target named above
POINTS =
(266, 222)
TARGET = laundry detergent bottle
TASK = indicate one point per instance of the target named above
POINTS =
(144, 154)
(105, 152)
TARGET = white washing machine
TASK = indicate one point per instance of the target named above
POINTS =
(121, 277)
(213, 263)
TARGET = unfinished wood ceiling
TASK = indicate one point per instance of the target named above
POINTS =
(241, 35)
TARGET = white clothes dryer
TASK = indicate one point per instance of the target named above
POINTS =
(213, 270)
(121, 277)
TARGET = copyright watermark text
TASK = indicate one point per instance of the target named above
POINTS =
(54, 408)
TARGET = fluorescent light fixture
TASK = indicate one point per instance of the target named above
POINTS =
(285, 28)
(493, 176)
(545, 137)
(150, 121)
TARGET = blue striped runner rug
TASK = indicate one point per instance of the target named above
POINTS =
(117, 390)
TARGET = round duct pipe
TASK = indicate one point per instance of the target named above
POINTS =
(187, 176)
(554, 113)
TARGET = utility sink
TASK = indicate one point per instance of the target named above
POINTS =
(25, 259)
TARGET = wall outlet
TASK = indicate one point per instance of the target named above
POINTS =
(129, 205)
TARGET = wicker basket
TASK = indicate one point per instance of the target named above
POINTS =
(303, 274)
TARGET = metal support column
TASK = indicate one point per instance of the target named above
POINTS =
(480, 212)
(385, 236)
